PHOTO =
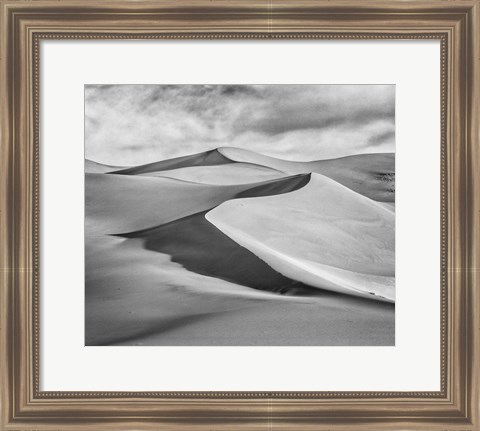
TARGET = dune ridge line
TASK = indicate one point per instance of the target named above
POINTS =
(250, 222)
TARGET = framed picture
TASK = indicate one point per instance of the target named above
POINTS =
(240, 215)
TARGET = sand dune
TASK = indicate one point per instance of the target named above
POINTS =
(121, 203)
(389, 206)
(324, 235)
(139, 297)
(98, 168)
(229, 247)
(207, 158)
(200, 247)
(233, 173)
(372, 175)
(132, 293)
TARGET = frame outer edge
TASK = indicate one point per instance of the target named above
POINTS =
(13, 160)
(6, 275)
(474, 135)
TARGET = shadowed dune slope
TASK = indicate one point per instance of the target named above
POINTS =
(200, 247)
(324, 235)
(208, 158)
(98, 168)
(121, 203)
(276, 187)
(372, 175)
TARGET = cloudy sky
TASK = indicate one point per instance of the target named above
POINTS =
(134, 124)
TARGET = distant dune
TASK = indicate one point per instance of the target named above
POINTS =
(208, 158)
(233, 173)
(324, 235)
(372, 175)
(98, 168)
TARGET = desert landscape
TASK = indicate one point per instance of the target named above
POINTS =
(239, 215)
(231, 247)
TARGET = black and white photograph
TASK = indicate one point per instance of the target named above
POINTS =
(239, 215)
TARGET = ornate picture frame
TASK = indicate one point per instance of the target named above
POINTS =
(24, 24)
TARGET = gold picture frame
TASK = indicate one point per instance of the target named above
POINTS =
(24, 24)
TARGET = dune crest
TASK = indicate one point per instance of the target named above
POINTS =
(99, 168)
(324, 235)
(207, 158)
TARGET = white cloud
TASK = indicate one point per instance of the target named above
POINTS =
(133, 124)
